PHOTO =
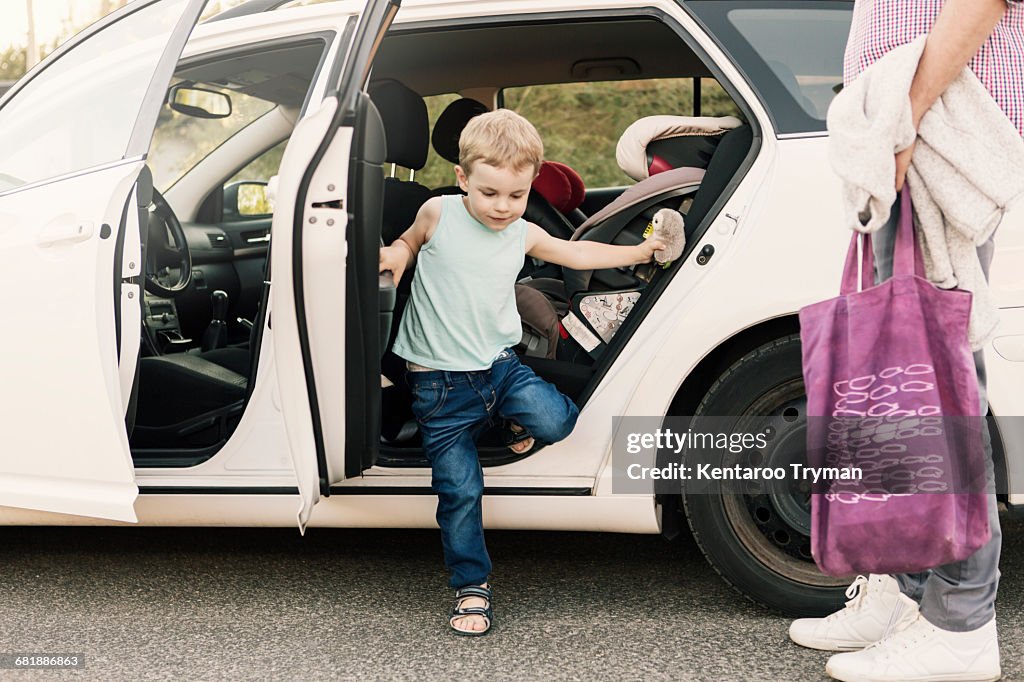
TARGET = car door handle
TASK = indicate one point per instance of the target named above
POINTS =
(67, 232)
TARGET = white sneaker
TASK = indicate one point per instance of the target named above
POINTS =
(876, 607)
(922, 652)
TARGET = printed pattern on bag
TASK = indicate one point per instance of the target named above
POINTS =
(879, 427)
(860, 397)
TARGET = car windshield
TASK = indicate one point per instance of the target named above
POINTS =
(181, 141)
(791, 53)
(256, 83)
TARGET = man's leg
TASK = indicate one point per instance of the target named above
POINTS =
(959, 596)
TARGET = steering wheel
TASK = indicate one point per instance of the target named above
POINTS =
(166, 251)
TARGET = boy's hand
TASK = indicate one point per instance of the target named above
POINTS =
(647, 248)
(395, 258)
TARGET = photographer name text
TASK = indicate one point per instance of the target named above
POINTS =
(710, 472)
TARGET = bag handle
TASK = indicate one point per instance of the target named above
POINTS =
(907, 250)
(867, 265)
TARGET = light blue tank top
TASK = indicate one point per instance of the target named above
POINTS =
(462, 312)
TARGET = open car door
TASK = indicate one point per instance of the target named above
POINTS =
(75, 133)
(327, 302)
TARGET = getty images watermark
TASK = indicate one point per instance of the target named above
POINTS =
(771, 454)
(667, 440)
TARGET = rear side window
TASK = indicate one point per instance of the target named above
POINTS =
(581, 123)
(790, 51)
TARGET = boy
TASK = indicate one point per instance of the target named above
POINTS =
(460, 324)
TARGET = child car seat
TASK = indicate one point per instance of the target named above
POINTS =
(655, 144)
(676, 160)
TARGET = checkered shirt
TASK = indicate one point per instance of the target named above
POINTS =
(880, 25)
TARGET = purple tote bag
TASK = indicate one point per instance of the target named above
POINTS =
(893, 402)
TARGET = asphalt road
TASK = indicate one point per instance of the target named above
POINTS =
(208, 604)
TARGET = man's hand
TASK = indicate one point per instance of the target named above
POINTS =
(395, 258)
(902, 164)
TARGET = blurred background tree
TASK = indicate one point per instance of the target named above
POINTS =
(22, 54)
(26, 50)
(12, 63)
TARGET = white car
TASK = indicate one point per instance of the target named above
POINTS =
(135, 392)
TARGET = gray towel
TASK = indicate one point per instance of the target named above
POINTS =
(967, 169)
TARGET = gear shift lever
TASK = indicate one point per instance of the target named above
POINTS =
(216, 334)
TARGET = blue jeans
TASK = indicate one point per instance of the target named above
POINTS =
(452, 409)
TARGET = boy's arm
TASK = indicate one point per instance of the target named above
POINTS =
(402, 252)
(959, 31)
(586, 255)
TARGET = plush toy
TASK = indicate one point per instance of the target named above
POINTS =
(667, 226)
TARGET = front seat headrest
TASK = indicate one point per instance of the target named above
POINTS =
(449, 126)
(406, 125)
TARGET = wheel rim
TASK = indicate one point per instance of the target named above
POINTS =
(772, 518)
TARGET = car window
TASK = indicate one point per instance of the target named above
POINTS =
(252, 202)
(581, 123)
(263, 167)
(790, 50)
(182, 141)
(437, 172)
(80, 111)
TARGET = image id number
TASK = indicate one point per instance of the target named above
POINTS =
(36, 660)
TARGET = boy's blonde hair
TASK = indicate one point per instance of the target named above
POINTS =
(500, 138)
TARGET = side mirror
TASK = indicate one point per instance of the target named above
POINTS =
(246, 199)
(198, 102)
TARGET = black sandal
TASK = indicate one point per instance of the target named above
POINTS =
(459, 612)
(511, 437)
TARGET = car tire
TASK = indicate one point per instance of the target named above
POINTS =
(758, 540)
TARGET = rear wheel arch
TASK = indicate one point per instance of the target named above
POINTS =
(700, 380)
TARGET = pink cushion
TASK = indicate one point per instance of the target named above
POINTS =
(560, 185)
(575, 185)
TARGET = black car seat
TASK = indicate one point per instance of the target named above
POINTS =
(183, 396)
(182, 386)
(406, 128)
(728, 156)
(666, 154)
